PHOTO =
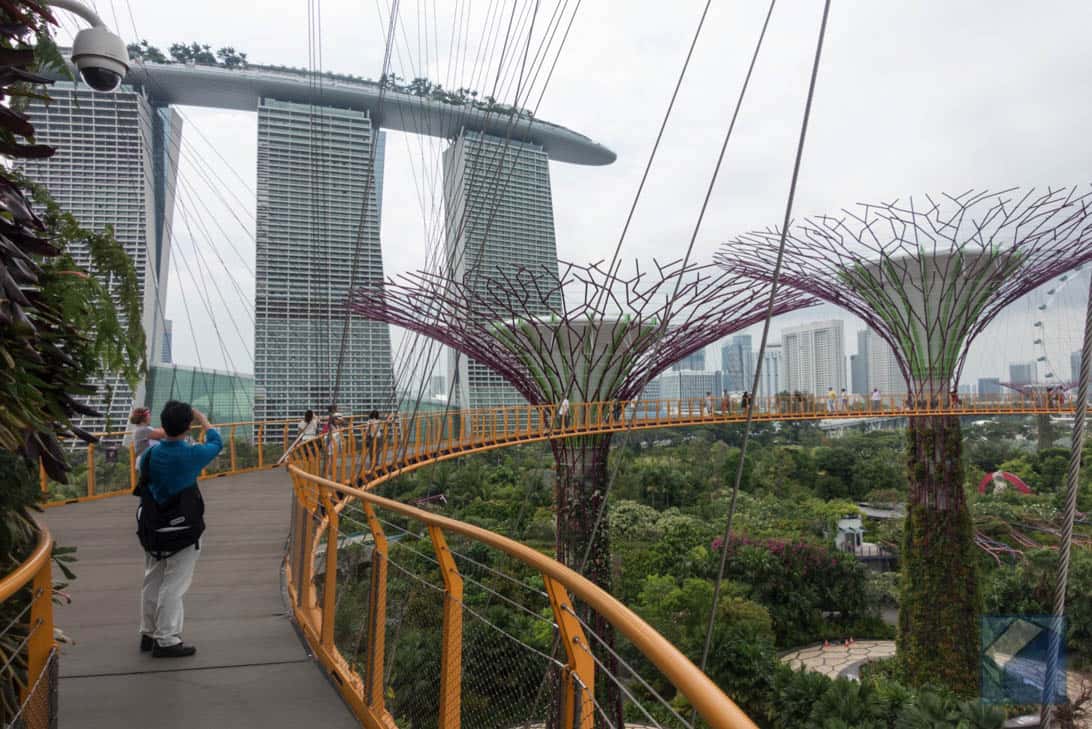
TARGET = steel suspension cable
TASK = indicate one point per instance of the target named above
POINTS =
(765, 335)
(1048, 712)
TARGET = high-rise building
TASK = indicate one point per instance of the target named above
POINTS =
(437, 386)
(1074, 366)
(884, 373)
(116, 164)
(769, 383)
(168, 334)
(989, 386)
(814, 356)
(694, 361)
(499, 217)
(690, 385)
(858, 366)
(737, 361)
(1023, 373)
(314, 170)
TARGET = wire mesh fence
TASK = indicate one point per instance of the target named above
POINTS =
(39, 709)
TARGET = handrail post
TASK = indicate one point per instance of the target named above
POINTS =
(329, 586)
(40, 642)
(90, 469)
(284, 438)
(132, 466)
(580, 663)
(451, 654)
(231, 448)
(42, 477)
(260, 441)
(377, 615)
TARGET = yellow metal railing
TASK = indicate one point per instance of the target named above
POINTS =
(409, 440)
(319, 501)
(33, 581)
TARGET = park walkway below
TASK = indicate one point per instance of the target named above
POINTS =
(251, 668)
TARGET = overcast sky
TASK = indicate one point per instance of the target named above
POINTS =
(912, 98)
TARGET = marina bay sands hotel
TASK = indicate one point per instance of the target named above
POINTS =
(117, 164)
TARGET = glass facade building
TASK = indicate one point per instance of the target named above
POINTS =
(499, 217)
(116, 165)
(226, 397)
(314, 170)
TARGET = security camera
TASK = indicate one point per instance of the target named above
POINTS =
(101, 58)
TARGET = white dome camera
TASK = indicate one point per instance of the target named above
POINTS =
(101, 58)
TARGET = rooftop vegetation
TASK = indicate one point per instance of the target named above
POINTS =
(200, 54)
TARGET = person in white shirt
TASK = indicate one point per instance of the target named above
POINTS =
(563, 412)
(875, 398)
(307, 428)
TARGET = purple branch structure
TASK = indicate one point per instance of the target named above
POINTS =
(928, 276)
(585, 333)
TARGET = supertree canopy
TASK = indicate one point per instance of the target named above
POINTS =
(603, 339)
(929, 278)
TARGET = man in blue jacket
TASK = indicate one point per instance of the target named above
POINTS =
(170, 523)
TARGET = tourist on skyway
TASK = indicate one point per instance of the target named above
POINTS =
(308, 427)
(726, 403)
(745, 401)
(562, 413)
(845, 400)
(170, 522)
(876, 399)
(831, 396)
(144, 435)
(373, 427)
(709, 404)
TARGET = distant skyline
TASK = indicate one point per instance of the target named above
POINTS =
(947, 134)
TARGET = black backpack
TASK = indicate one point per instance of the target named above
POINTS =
(165, 529)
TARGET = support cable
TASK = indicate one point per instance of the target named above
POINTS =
(765, 335)
(1048, 711)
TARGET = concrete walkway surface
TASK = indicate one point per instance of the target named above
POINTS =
(251, 667)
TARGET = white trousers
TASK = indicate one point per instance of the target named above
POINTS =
(165, 583)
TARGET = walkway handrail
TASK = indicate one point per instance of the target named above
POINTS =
(505, 425)
(35, 572)
(719, 711)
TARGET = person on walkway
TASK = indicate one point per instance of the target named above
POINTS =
(709, 404)
(308, 428)
(831, 397)
(845, 401)
(726, 403)
(144, 435)
(372, 429)
(876, 399)
(170, 522)
(563, 412)
(745, 401)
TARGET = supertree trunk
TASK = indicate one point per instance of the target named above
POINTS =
(1046, 431)
(584, 545)
(940, 606)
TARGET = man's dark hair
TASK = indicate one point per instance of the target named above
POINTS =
(176, 418)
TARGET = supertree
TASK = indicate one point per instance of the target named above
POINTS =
(583, 333)
(929, 277)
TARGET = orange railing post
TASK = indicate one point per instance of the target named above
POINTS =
(377, 615)
(579, 680)
(329, 585)
(90, 469)
(231, 448)
(132, 466)
(451, 652)
(40, 643)
(42, 478)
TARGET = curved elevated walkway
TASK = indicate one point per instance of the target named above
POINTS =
(251, 668)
